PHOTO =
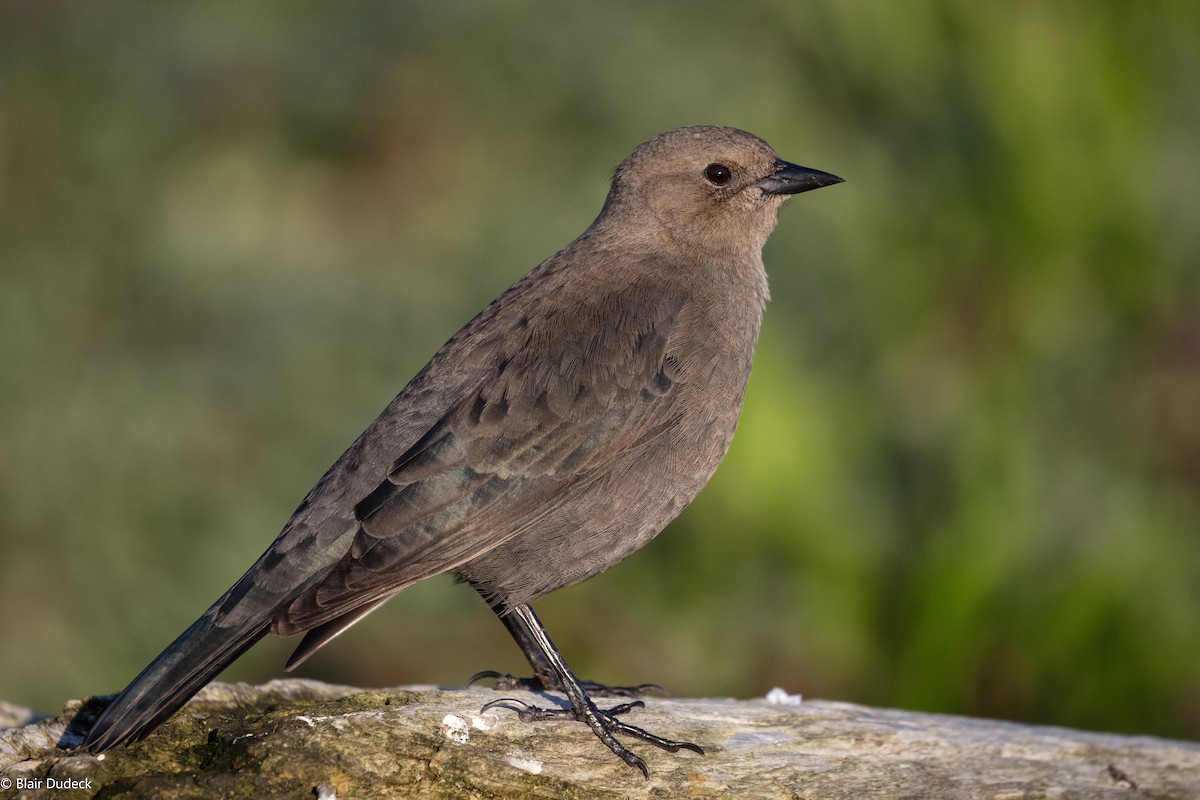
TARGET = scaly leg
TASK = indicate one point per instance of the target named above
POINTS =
(548, 663)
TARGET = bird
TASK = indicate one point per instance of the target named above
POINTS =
(552, 436)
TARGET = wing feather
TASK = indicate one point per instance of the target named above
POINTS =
(573, 393)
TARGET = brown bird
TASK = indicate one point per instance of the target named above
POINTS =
(556, 433)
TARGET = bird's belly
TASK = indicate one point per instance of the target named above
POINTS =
(605, 519)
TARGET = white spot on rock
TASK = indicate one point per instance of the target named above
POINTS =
(780, 697)
(455, 729)
(531, 765)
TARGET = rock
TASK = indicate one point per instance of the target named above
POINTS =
(298, 738)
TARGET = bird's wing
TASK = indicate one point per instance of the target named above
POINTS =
(571, 390)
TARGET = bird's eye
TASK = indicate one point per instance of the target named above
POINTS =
(717, 174)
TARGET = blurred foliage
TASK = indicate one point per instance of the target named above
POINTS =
(968, 473)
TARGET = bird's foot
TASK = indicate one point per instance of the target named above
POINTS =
(506, 683)
(604, 724)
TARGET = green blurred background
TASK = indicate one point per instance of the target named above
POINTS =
(968, 473)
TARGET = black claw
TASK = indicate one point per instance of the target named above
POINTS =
(600, 690)
(527, 712)
(669, 745)
(482, 675)
(506, 702)
(624, 707)
(506, 682)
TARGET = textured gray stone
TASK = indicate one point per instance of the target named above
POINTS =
(297, 738)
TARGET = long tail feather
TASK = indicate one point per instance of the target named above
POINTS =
(191, 661)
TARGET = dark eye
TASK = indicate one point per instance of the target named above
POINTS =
(717, 174)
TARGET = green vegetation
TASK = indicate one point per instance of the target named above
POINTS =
(968, 474)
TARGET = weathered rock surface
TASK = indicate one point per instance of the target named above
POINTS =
(297, 739)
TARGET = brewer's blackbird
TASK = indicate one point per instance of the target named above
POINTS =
(556, 433)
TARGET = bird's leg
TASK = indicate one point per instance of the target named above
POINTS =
(545, 679)
(604, 723)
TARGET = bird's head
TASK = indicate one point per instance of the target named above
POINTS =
(707, 187)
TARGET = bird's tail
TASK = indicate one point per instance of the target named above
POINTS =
(233, 624)
(191, 661)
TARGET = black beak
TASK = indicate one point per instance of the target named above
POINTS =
(793, 179)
